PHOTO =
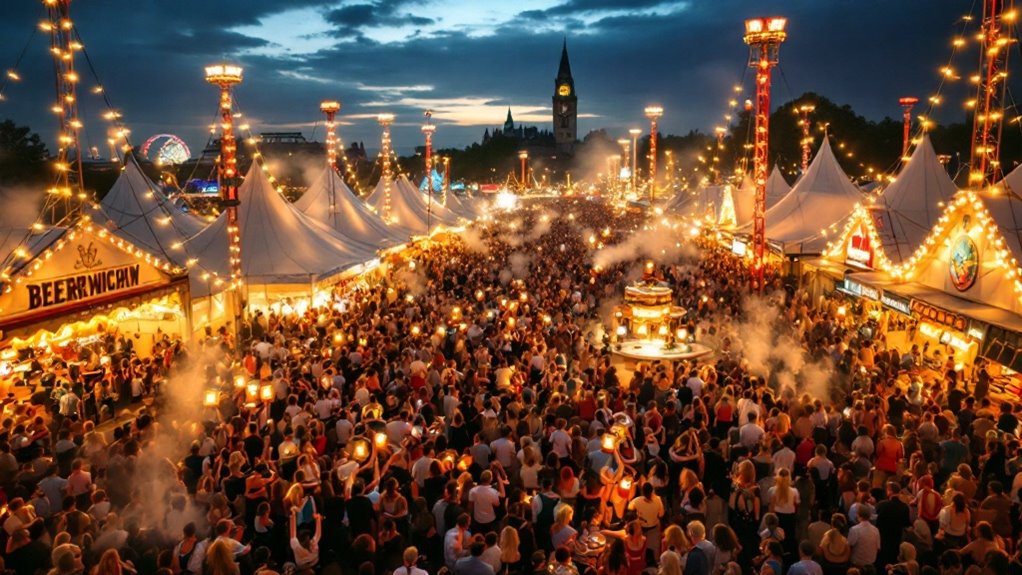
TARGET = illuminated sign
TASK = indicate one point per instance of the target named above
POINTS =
(963, 265)
(857, 289)
(860, 249)
(897, 303)
(83, 286)
(977, 331)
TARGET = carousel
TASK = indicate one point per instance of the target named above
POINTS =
(648, 326)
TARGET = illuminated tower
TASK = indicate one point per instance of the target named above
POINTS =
(63, 45)
(428, 129)
(764, 37)
(385, 121)
(807, 140)
(635, 133)
(524, 157)
(565, 106)
(225, 77)
(330, 108)
(906, 114)
(653, 113)
(995, 37)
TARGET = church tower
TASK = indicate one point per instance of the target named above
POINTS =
(565, 106)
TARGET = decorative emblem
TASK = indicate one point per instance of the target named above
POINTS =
(88, 257)
(963, 266)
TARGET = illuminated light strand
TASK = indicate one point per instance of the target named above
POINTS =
(984, 166)
(385, 120)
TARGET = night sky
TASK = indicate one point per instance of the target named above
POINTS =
(469, 60)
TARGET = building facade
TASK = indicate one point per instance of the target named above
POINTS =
(565, 106)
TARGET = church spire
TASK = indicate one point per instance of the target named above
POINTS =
(564, 72)
(509, 123)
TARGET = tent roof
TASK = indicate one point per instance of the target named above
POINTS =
(820, 202)
(910, 206)
(1005, 207)
(407, 209)
(437, 210)
(776, 188)
(279, 245)
(136, 210)
(330, 201)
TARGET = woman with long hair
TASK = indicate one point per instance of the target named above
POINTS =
(510, 557)
(954, 523)
(615, 559)
(728, 547)
(393, 504)
(220, 559)
(744, 509)
(110, 564)
(784, 500)
(834, 551)
(635, 546)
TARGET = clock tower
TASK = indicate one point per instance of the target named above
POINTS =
(565, 106)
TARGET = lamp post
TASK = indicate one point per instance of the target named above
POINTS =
(447, 179)
(653, 113)
(807, 140)
(63, 45)
(906, 117)
(385, 120)
(635, 133)
(764, 37)
(523, 156)
(428, 129)
(625, 144)
(225, 77)
(330, 108)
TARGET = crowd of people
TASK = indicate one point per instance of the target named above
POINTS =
(466, 414)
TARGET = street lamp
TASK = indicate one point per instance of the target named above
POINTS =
(635, 132)
(523, 156)
(625, 144)
(653, 113)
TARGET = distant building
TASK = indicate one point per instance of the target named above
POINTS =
(527, 136)
(565, 106)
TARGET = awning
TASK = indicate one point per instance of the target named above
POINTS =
(977, 311)
(836, 269)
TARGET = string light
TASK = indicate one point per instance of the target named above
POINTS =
(385, 120)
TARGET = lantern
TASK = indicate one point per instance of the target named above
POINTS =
(360, 450)
(416, 330)
(380, 440)
(622, 331)
(626, 482)
(266, 393)
(239, 381)
(211, 398)
(251, 392)
(464, 462)
(609, 442)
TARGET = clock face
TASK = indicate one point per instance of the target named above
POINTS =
(564, 90)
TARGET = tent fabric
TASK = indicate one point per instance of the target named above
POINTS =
(819, 203)
(407, 210)
(911, 205)
(461, 207)
(776, 187)
(279, 244)
(1005, 207)
(331, 202)
(136, 210)
(437, 210)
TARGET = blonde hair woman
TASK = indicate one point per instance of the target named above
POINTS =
(220, 559)
(509, 543)
(674, 538)
(784, 502)
(561, 532)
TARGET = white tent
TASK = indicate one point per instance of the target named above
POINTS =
(461, 207)
(815, 208)
(330, 201)
(1005, 207)
(136, 210)
(279, 245)
(910, 206)
(407, 209)
(437, 210)
(776, 188)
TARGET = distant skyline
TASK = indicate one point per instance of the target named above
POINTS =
(469, 60)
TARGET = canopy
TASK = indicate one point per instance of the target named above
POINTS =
(818, 205)
(910, 206)
(776, 187)
(331, 202)
(407, 209)
(1005, 208)
(136, 210)
(279, 244)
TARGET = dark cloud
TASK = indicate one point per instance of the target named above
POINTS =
(866, 53)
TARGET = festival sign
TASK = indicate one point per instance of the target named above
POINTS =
(963, 264)
(85, 270)
(860, 249)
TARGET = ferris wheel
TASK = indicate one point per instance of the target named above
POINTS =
(166, 149)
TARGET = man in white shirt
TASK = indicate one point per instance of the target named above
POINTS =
(695, 383)
(344, 427)
(864, 539)
(560, 440)
(483, 501)
(420, 469)
(504, 449)
(784, 458)
(751, 433)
